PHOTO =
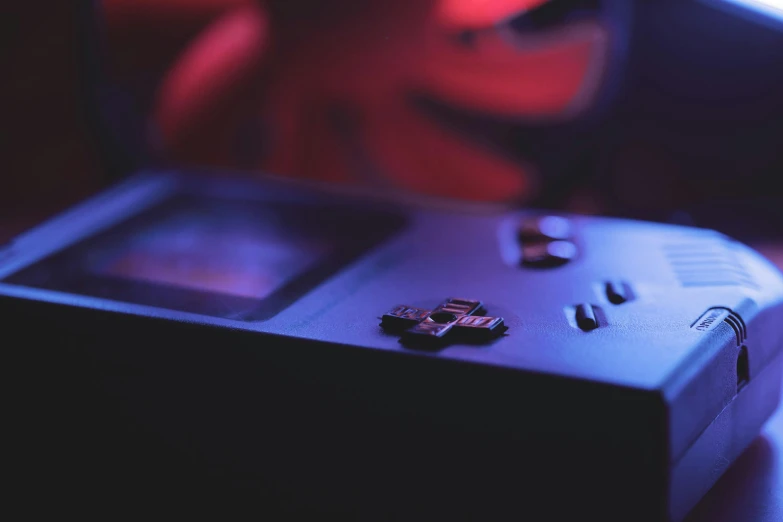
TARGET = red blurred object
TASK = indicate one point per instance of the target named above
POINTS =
(333, 89)
(474, 14)
(198, 108)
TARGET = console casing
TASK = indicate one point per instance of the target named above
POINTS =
(634, 420)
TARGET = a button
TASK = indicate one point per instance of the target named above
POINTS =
(544, 228)
(548, 255)
(617, 292)
(585, 317)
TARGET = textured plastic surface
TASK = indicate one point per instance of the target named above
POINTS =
(638, 414)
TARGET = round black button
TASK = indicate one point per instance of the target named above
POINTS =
(443, 317)
(549, 254)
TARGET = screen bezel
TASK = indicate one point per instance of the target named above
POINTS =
(353, 229)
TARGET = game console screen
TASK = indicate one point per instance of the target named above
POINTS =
(223, 252)
(229, 258)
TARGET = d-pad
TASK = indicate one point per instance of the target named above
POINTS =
(457, 320)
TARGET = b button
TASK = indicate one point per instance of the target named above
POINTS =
(544, 228)
(549, 254)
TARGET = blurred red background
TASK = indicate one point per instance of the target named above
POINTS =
(327, 90)
(573, 104)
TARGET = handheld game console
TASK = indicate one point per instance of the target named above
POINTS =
(394, 359)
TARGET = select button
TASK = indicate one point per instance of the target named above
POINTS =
(585, 317)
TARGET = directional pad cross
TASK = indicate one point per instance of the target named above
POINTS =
(456, 320)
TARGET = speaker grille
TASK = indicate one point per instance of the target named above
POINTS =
(704, 262)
